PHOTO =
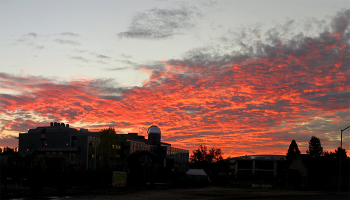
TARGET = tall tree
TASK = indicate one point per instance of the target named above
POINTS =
(199, 155)
(293, 149)
(315, 148)
(109, 145)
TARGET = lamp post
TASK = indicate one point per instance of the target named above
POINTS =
(341, 148)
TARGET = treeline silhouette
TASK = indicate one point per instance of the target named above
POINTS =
(317, 169)
(8, 151)
(315, 149)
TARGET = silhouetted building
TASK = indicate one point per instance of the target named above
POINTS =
(257, 167)
(172, 157)
(82, 146)
(57, 140)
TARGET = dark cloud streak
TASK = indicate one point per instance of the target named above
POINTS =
(70, 42)
(161, 23)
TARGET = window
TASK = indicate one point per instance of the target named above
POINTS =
(73, 143)
(74, 157)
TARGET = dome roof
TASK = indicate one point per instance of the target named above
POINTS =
(154, 130)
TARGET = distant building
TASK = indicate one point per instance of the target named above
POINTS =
(82, 146)
(264, 167)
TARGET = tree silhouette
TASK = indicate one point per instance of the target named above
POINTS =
(109, 145)
(315, 148)
(293, 149)
(9, 151)
(329, 154)
(214, 155)
(201, 157)
(339, 151)
(336, 153)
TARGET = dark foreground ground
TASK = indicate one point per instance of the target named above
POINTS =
(206, 193)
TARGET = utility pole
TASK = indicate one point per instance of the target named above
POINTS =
(340, 152)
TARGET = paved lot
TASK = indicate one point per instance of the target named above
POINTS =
(209, 193)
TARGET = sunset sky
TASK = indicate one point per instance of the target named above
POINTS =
(244, 76)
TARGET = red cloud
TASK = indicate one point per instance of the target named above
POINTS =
(244, 104)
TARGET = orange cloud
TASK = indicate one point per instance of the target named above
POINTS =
(244, 104)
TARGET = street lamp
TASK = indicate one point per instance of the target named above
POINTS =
(341, 148)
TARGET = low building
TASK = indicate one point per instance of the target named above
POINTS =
(257, 167)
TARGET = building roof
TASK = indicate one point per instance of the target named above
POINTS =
(260, 157)
(196, 172)
(154, 130)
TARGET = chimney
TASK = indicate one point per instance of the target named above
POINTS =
(51, 123)
(62, 124)
(67, 125)
(55, 123)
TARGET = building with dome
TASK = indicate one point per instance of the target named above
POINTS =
(82, 146)
(171, 157)
(154, 135)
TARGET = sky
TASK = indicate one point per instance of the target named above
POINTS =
(244, 76)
